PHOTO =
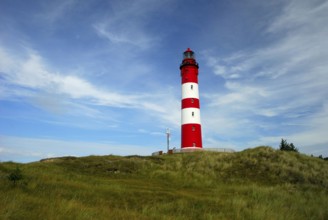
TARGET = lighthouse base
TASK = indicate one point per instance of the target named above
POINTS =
(197, 149)
(188, 149)
(194, 149)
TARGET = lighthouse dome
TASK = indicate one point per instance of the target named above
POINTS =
(189, 54)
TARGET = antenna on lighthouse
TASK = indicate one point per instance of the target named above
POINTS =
(168, 139)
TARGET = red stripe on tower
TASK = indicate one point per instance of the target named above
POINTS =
(191, 133)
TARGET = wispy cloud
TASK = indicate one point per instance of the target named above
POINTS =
(128, 23)
(303, 15)
(302, 46)
(54, 11)
(32, 73)
(61, 93)
(284, 82)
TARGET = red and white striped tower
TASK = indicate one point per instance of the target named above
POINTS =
(191, 134)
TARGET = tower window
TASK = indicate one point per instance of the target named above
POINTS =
(193, 128)
(192, 114)
(192, 100)
(191, 87)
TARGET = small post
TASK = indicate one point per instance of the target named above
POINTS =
(168, 139)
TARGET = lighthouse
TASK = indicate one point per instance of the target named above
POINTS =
(191, 134)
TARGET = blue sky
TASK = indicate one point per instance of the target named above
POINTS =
(102, 77)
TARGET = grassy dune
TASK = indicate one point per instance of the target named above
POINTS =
(259, 183)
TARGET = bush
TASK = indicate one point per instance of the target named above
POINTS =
(285, 146)
(15, 176)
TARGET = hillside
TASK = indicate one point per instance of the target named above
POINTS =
(259, 183)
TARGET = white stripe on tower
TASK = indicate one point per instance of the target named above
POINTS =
(190, 90)
(190, 116)
(190, 109)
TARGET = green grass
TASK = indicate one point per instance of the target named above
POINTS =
(259, 183)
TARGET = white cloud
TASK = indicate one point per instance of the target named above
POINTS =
(126, 35)
(64, 93)
(308, 15)
(285, 80)
(128, 23)
(33, 74)
(156, 133)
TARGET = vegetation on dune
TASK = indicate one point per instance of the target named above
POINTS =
(15, 176)
(284, 145)
(259, 183)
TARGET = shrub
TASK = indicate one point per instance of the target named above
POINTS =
(285, 146)
(15, 176)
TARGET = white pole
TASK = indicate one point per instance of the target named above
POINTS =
(168, 139)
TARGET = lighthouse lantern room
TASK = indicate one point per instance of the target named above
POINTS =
(191, 135)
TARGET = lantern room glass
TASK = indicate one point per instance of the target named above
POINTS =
(188, 55)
